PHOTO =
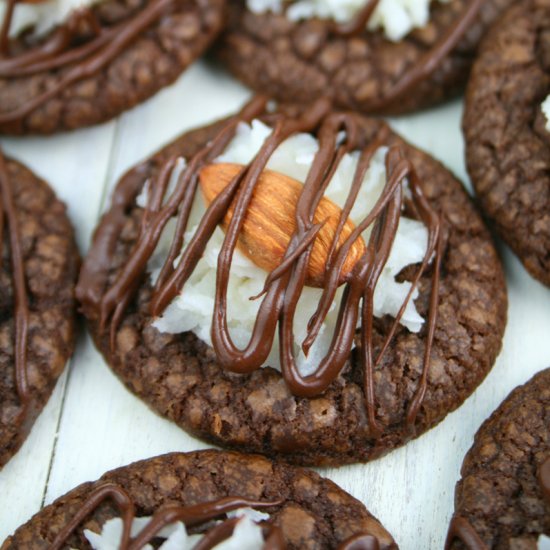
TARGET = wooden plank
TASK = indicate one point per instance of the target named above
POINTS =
(75, 166)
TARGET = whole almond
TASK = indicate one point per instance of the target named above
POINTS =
(270, 221)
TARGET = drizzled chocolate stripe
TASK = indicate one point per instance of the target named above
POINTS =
(544, 478)
(90, 58)
(461, 529)
(8, 218)
(190, 516)
(285, 284)
(360, 542)
(358, 23)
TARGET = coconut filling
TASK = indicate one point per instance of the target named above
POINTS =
(192, 309)
(396, 18)
(247, 534)
(42, 17)
(546, 110)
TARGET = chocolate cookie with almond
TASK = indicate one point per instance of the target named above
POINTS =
(300, 283)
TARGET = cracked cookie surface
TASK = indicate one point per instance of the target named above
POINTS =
(50, 264)
(153, 60)
(500, 494)
(507, 145)
(314, 513)
(299, 61)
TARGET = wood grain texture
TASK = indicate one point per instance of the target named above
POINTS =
(93, 424)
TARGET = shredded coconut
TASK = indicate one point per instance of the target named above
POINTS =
(247, 534)
(43, 16)
(192, 310)
(395, 17)
(546, 111)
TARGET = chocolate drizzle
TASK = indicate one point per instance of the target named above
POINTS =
(462, 530)
(284, 285)
(430, 61)
(358, 23)
(8, 219)
(425, 66)
(190, 516)
(544, 478)
(57, 51)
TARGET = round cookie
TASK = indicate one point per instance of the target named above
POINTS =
(507, 144)
(113, 55)
(298, 61)
(38, 269)
(419, 379)
(308, 510)
(503, 498)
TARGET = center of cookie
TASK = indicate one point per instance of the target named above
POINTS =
(395, 18)
(193, 309)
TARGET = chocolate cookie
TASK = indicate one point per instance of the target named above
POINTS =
(507, 134)
(297, 60)
(379, 383)
(304, 510)
(102, 60)
(38, 269)
(503, 498)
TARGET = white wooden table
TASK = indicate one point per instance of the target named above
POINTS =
(92, 424)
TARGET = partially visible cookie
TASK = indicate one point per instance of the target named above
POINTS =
(298, 51)
(304, 510)
(508, 135)
(102, 59)
(503, 498)
(38, 268)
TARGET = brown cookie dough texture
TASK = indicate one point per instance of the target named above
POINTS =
(314, 513)
(507, 147)
(500, 494)
(50, 260)
(299, 61)
(179, 376)
(152, 61)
